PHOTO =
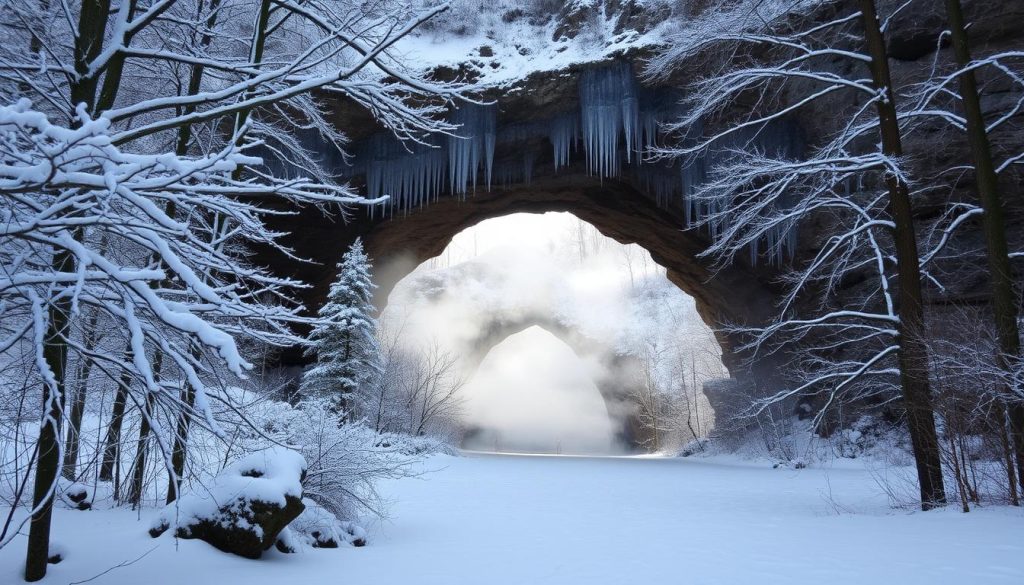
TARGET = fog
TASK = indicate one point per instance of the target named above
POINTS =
(530, 391)
(533, 394)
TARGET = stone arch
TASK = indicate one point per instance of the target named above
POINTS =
(736, 294)
(627, 208)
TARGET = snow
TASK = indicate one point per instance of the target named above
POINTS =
(566, 520)
(317, 527)
(265, 476)
(520, 47)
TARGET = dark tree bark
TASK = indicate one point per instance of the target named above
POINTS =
(139, 463)
(112, 442)
(71, 442)
(913, 353)
(92, 23)
(1004, 299)
(142, 447)
(999, 421)
(48, 462)
(188, 398)
(114, 71)
(188, 395)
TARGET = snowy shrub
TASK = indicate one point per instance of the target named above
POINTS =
(863, 438)
(244, 507)
(345, 460)
(695, 446)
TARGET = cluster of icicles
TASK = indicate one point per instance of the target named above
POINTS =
(617, 122)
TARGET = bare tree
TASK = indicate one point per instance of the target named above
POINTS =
(431, 385)
(779, 56)
(955, 98)
(171, 276)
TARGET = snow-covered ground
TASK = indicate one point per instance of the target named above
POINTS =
(486, 519)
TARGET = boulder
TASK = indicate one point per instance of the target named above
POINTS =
(244, 508)
(75, 495)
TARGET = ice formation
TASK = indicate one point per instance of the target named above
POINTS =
(411, 174)
(616, 123)
(564, 134)
(414, 174)
(609, 106)
(473, 148)
(780, 139)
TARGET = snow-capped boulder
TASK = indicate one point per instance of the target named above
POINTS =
(74, 495)
(245, 507)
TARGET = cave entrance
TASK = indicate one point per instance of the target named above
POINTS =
(573, 148)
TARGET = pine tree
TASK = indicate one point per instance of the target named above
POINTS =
(344, 341)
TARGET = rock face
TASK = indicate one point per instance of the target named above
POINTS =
(245, 507)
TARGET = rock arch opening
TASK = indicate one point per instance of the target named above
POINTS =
(569, 144)
(611, 304)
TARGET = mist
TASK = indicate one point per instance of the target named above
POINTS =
(527, 390)
(533, 394)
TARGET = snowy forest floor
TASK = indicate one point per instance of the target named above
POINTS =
(504, 519)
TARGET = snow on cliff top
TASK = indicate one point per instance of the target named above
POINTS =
(498, 42)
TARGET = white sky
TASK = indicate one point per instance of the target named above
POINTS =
(521, 230)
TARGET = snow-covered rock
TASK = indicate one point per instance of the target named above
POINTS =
(498, 43)
(245, 507)
(317, 527)
(75, 495)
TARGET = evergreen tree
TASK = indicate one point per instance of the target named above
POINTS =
(344, 340)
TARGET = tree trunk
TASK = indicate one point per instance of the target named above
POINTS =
(71, 443)
(1004, 441)
(188, 398)
(139, 464)
(92, 22)
(913, 353)
(55, 355)
(115, 69)
(112, 443)
(1004, 300)
(142, 447)
(958, 475)
(195, 78)
(259, 41)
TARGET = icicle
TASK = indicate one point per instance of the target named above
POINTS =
(608, 104)
(564, 132)
(473, 148)
(659, 180)
(528, 159)
(791, 241)
(407, 173)
(649, 121)
(631, 117)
